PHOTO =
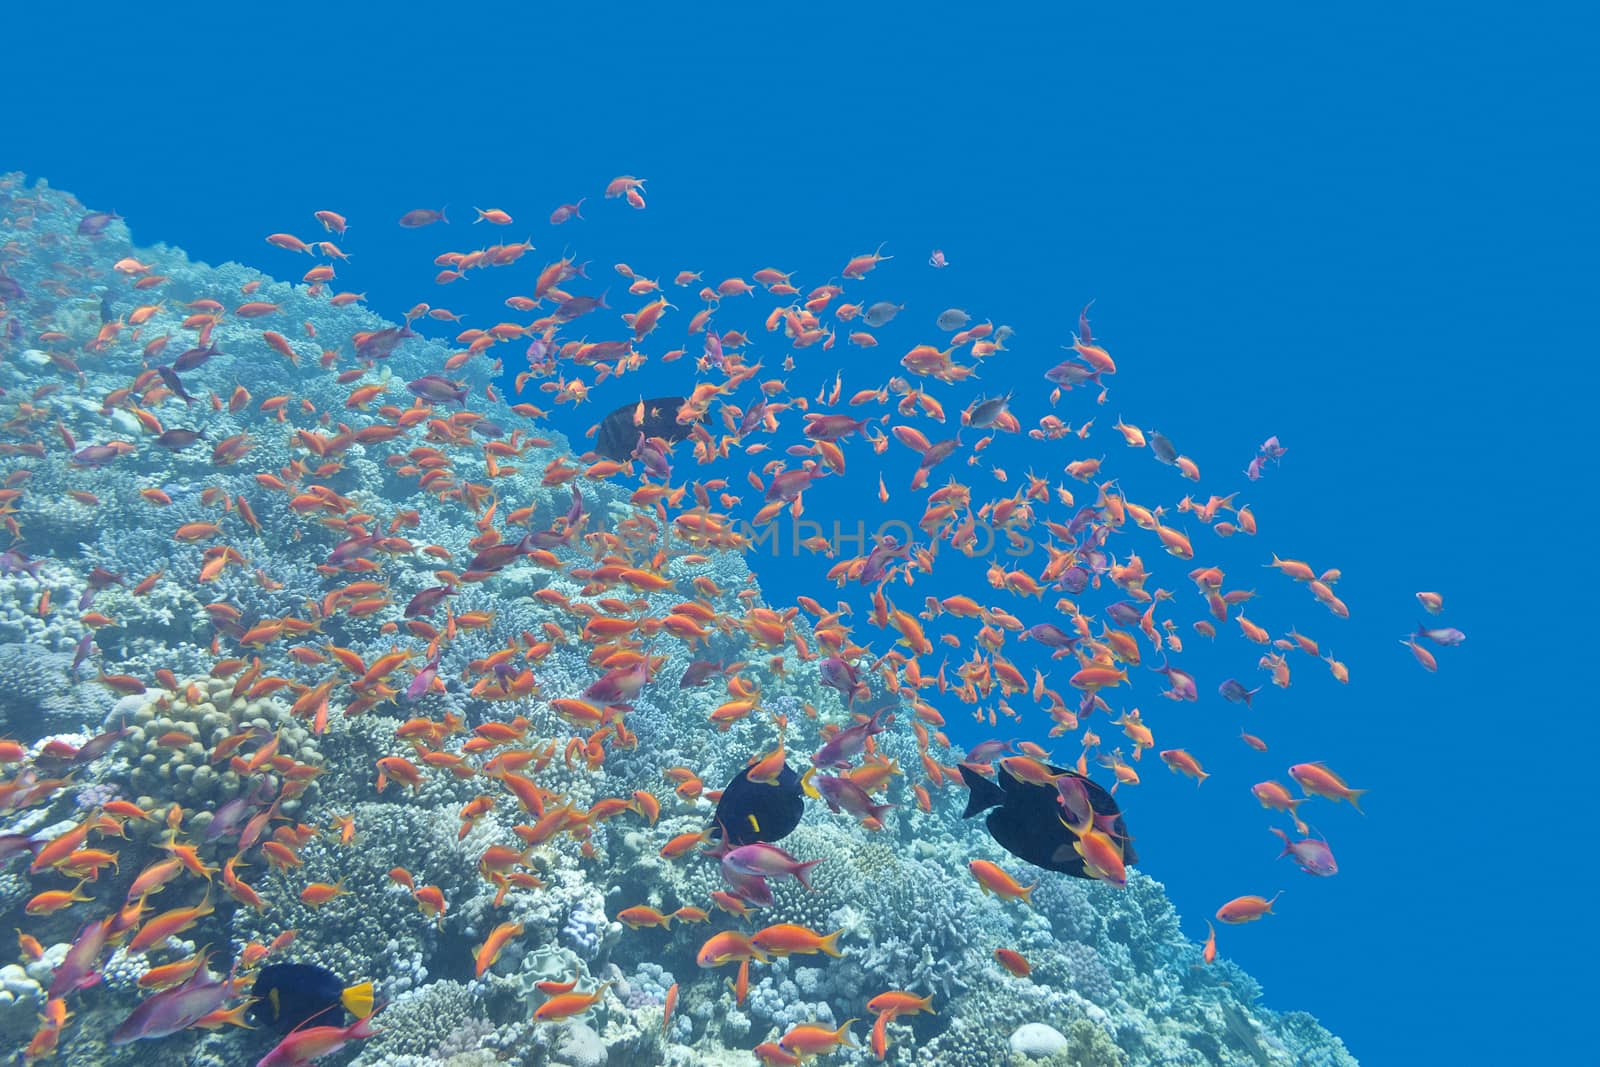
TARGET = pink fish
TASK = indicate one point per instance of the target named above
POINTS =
(308, 1043)
(1314, 856)
(77, 969)
(839, 749)
(567, 211)
(422, 217)
(174, 1009)
(767, 861)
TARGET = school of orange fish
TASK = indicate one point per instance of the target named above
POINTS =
(1070, 533)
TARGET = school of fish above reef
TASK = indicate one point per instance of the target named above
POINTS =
(325, 669)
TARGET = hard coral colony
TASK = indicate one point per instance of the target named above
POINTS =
(352, 710)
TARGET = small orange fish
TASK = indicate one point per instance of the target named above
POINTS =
(319, 893)
(566, 1005)
(1246, 908)
(489, 951)
(1013, 961)
(991, 879)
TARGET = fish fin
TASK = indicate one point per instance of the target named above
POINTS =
(985, 794)
(806, 787)
(357, 1000)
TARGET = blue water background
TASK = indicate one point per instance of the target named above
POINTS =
(1365, 229)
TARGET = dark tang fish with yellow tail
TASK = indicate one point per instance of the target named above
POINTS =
(749, 811)
(290, 994)
(1028, 820)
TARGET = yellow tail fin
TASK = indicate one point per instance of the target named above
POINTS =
(357, 1000)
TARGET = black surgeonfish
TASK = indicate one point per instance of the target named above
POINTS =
(619, 435)
(1026, 820)
(290, 994)
(753, 811)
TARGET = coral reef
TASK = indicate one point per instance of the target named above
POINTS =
(257, 684)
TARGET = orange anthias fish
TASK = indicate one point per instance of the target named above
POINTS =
(991, 879)
(1246, 908)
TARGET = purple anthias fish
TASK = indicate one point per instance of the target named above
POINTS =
(619, 685)
(496, 557)
(603, 352)
(79, 969)
(1075, 579)
(767, 861)
(539, 351)
(575, 306)
(697, 673)
(95, 223)
(841, 677)
(13, 561)
(1271, 449)
(1073, 796)
(876, 565)
(750, 887)
(1446, 636)
(423, 604)
(1181, 683)
(381, 344)
(95, 455)
(986, 751)
(9, 289)
(754, 415)
(1313, 855)
(175, 1009)
(99, 745)
(423, 681)
(938, 452)
(986, 412)
(786, 485)
(841, 794)
(1234, 692)
(1049, 634)
(438, 389)
(16, 845)
(353, 548)
(175, 383)
(187, 360)
(99, 578)
(573, 522)
(230, 818)
(84, 650)
(824, 427)
(649, 451)
(178, 438)
(1069, 373)
(1124, 613)
(839, 749)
